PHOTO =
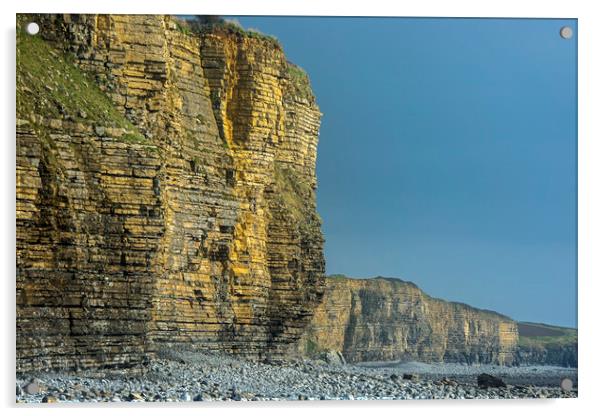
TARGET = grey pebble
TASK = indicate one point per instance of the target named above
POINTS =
(33, 387)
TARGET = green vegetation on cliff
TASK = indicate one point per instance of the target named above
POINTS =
(300, 81)
(216, 24)
(547, 344)
(50, 84)
(293, 193)
(536, 334)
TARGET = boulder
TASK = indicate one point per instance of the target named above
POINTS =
(49, 399)
(33, 387)
(334, 357)
(448, 382)
(485, 381)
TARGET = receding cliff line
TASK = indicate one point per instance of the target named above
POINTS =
(388, 319)
(547, 345)
(165, 192)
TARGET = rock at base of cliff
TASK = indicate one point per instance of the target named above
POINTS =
(487, 380)
(333, 357)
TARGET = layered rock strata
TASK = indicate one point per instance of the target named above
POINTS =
(556, 355)
(385, 319)
(547, 345)
(165, 192)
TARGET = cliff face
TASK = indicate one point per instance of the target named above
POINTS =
(165, 192)
(547, 345)
(387, 319)
(564, 355)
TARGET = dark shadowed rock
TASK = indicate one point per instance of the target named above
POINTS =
(448, 382)
(487, 380)
(49, 399)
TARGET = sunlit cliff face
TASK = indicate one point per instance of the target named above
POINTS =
(165, 192)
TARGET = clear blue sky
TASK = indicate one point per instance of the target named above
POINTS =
(447, 154)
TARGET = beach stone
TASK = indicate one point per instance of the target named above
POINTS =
(135, 396)
(33, 387)
(485, 381)
(49, 399)
(448, 382)
(99, 130)
(334, 357)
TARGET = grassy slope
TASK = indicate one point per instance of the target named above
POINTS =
(300, 81)
(536, 334)
(190, 26)
(51, 85)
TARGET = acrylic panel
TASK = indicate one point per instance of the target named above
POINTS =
(259, 208)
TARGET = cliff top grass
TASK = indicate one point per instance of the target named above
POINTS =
(543, 335)
(217, 24)
(51, 85)
(300, 81)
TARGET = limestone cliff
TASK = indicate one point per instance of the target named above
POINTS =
(165, 192)
(547, 345)
(385, 319)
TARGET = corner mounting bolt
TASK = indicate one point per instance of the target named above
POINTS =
(32, 28)
(566, 32)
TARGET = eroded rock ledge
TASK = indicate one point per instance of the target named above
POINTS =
(165, 192)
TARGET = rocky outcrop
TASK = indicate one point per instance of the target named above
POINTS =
(562, 355)
(547, 345)
(165, 192)
(385, 319)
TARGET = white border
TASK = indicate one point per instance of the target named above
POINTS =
(590, 201)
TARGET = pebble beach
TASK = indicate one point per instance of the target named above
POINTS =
(189, 377)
